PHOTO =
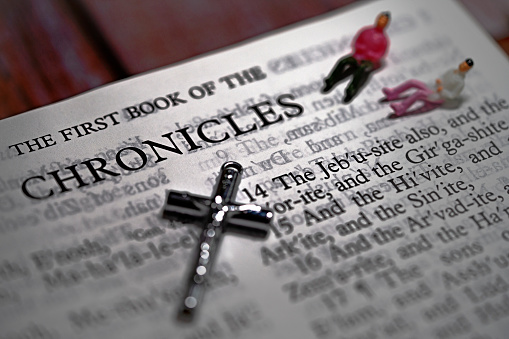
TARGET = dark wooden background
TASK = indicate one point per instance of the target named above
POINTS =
(54, 49)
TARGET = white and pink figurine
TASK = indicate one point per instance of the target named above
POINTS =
(447, 88)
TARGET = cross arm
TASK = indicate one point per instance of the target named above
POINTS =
(245, 219)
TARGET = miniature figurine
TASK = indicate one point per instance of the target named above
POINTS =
(368, 48)
(447, 89)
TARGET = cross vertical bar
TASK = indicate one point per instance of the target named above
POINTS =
(210, 237)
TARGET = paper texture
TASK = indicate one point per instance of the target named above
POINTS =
(411, 243)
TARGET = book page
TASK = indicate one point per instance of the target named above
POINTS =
(382, 228)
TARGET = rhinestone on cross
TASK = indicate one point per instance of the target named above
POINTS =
(218, 214)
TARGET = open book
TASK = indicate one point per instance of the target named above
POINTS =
(381, 228)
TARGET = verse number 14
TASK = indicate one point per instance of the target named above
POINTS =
(258, 192)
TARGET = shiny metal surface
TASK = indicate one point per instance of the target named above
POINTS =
(218, 214)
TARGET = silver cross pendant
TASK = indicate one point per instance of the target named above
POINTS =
(218, 214)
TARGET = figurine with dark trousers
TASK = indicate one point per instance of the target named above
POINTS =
(369, 47)
(446, 89)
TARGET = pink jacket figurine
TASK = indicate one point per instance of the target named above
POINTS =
(369, 47)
